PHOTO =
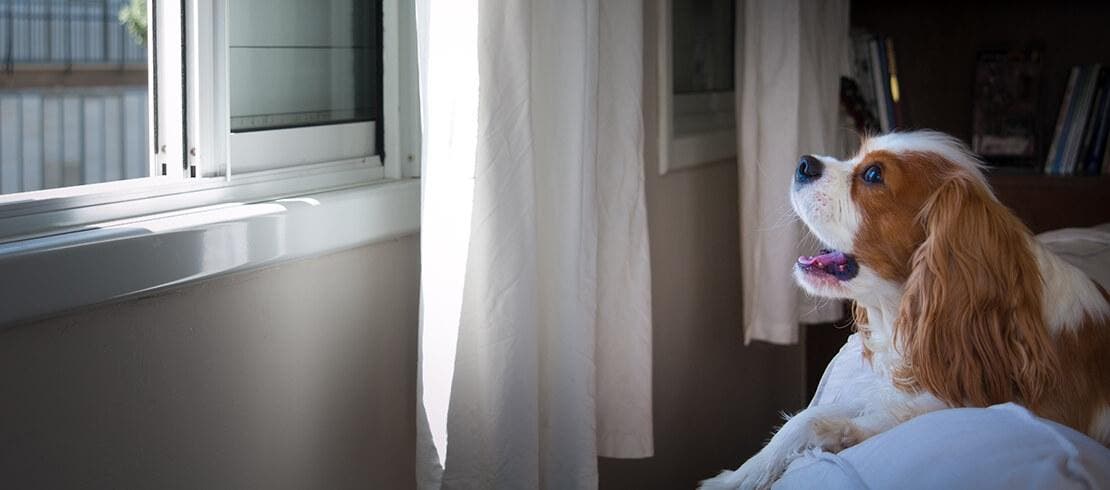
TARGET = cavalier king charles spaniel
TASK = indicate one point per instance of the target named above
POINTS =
(956, 302)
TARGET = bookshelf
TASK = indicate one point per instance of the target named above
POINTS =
(1049, 202)
(937, 45)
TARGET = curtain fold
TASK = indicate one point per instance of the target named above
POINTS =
(790, 55)
(540, 333)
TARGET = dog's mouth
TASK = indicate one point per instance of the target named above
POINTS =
(829, 263)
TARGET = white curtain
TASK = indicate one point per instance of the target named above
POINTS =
(790, 55)
(535, 327)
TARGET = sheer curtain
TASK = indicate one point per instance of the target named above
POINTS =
(791, 54)
(536, 308)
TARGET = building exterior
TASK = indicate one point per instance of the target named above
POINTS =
(73, 95)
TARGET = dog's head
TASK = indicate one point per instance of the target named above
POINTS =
(872, 211)
(911, 224)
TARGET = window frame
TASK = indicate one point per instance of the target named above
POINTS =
(684, 148)
(268, 149)
(34, 214)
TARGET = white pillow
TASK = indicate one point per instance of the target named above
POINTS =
(1086, 248)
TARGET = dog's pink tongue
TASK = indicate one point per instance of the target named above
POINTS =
(829, 257)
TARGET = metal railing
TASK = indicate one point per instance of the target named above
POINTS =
(65, 32)
(58, 138)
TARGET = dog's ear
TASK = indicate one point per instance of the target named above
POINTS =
(970, 322)
(860, 326)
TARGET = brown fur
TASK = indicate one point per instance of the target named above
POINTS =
(891, 230)
(971, 319)
(859, 324)
(1074, 398)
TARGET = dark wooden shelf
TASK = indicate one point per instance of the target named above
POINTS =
(1047, 202)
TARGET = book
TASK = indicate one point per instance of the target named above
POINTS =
(1106, 158)
(1090, 153)
(880, 76)
(1092, 164)
(1073, 116)
(1069, 127)
(894, 90)
(876, 78)
(1061, 119)
(1004, 108)
(885, 94)
(865, 107)
(1079, 123)
(856, 108)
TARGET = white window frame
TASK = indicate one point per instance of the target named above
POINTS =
(689, 131)
(278, 148)
(106, 227)
(41, 213)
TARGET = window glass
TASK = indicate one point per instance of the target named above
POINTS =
(703, 40)
(73, 93)
(303, 63)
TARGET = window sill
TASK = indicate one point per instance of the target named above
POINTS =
(49, 275)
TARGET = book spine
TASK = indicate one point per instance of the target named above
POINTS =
(877, 73)
(1069, 122)
(864, 70)
(895, 90)
(1092, 158)
(884, 68)
(1106, 155)
(1061, 119)
(1091, 128)
(1079, 125)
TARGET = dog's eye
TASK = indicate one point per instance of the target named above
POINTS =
(873, 174)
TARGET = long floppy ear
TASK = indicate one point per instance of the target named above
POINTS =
(971, 322)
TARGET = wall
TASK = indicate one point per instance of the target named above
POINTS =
(715, 400)
(296, 376)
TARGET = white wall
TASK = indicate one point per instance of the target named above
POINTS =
(296, 376)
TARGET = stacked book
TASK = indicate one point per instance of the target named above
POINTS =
(876, 75)
(1079, 145)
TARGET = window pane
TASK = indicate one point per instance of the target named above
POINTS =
(703, 45)
(302, 63)
(73, 95)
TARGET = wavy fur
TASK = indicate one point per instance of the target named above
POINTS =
(967, 340)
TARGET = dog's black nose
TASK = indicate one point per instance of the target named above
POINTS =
(809, 169)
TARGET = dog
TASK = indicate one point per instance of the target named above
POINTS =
(956, 302)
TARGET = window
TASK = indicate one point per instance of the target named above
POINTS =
(248, 132)
(73, 95)
(286, 82)
(305, 83)
(247, 100)
(696, 82)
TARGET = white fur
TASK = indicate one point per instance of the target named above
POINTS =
(832, 219)
(825, 205)
(1100, 426)
(1073, 297)
(949, 148)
